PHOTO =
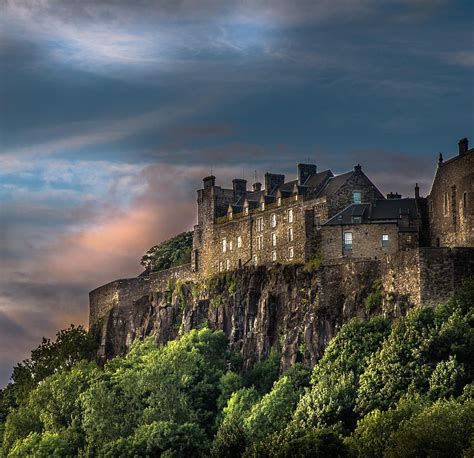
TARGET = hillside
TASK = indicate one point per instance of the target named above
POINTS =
(401, 388)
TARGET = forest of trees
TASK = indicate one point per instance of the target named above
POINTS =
(401, 389)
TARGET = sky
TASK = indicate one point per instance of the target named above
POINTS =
(111, 112)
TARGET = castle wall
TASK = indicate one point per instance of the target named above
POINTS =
(366, 240)
(451, 203)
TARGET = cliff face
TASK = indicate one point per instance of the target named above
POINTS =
(284, 307)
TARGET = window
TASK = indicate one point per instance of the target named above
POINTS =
(290, 234)
(273, 220)
(246, 211)
(296, 197)
(230, 215)
(274, 239)
(259, 224)
(348, 240)
(262, 206)
(356, 219)
(239, 241)
(260, 242)
(274, 255)
(221, 266)
(255, 259)
(227, 264)
(385, 240)
(446, 204)
(408, 238)
(230, 245)
(317, 222)
(357, 197)
(291, 252)
(279, 201)
(224, 245)
(290, 215)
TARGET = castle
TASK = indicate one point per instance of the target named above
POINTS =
(246, 275)
(330, 216)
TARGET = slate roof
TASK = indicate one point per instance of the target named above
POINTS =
(387, 210)
(334, 183)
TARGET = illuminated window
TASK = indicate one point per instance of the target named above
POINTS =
(291, 253)
(357, 197)
(260, 242)
(230, 215)
(290, 215)
(262, 206)
(224, 245)
(385, 240)
(279, 201)
(227, 264)
(230, 245)
(221, 266)
(274, 255)
(239, 241)
(274, 239)
(259, 224)
(290, 234)
(274, 220)
(255, 259)
(348, 240)
(246, 211)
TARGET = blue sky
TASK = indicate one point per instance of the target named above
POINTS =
(111, 113)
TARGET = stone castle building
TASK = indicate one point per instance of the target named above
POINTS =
(330, 216)
(451, 200)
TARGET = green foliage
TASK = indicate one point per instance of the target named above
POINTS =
(315, 262)
(335, 378)
(264, 373)
(71, 345)
(374, 298)
(395, 391)
(407, 359)
(170, 253)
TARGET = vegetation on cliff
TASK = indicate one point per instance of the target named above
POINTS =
(402, 389)
(170, 253)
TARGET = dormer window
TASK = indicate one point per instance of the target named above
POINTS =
(239, 241)
(230, 215)
(296, 197)
(279, 201)
(357, 197)
(262, 206)
(246, 211)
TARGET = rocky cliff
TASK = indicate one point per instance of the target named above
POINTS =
(287, 307)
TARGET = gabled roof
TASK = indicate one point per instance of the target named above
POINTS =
(334, 183)
(386, 210)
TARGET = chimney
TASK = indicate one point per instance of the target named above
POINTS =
(440, 159)
(305, 171)
(394, 195)
(240, 187)
(463, 146)
(358, 168)
(417, 191)
(273, 181)
(257, 186)
(209, 182)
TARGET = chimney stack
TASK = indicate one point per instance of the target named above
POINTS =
(358, 168)
(417, 191)
(240, 186)
(394, 195)
(257, 186)
(273, 181)
(463, 146)
(305, 171)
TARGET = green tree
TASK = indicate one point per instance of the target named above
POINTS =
(264, 373)
(335, 379)
(408, 357)
(170, 253)
(71, 345)
(274, 410)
